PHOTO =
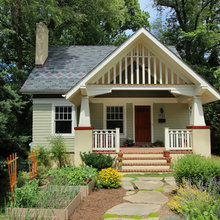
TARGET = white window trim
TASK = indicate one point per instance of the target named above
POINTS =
(105, 105)
(73, 120)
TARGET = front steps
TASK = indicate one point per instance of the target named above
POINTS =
(144, 162)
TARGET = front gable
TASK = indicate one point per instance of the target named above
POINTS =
(143, 61)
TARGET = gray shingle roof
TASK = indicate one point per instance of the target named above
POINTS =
(65, 66)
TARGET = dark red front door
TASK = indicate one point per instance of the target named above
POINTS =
(142, 124)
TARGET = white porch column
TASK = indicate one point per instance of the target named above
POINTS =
(197, 116)
(84, 118)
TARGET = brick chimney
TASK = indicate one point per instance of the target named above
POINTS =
(41, 52)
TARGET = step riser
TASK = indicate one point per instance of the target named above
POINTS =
(142, 155)
(146, 167)
(143, 161)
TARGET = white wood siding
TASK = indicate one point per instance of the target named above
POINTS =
(42, 127)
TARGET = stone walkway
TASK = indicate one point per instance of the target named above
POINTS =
(144, 198)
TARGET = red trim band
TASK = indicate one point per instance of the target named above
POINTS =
(198, 127)
(84, 128)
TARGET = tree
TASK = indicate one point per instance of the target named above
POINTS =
(70, 22)
(193, 27)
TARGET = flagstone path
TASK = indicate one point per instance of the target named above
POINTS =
(144, 196)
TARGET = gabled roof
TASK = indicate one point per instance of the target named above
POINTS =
(65, 66)
(203, 86)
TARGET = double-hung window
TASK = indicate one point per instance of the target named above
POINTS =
(63, 120)
(115, 118)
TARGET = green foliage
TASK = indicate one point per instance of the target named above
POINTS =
(110, 216)
(44, 157)
(158, 143)
(98, 161)
(196, 203)
(58, 150)
(42, 174)
(196, 169)
(73, 175)
(108, 178)
(28, 195)
(23, 177)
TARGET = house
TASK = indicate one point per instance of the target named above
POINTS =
(96, 97)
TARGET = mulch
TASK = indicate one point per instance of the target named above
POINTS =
(97, 203)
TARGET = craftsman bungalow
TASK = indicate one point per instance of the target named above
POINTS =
(97, 97)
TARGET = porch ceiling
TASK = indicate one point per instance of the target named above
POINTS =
(136, 94)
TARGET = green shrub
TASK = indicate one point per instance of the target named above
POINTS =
(44, 157)
(98, 161)
(73, 175)
(108, 178)
(23, 177)
(196, 169)
(42, 174)
(58, 150)
(158, 143)
(28, 195)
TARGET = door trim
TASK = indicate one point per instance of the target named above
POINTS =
(151, 120)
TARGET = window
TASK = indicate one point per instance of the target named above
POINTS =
(115, 118)
(63, 120)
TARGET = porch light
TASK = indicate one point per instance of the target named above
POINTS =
(161, 116)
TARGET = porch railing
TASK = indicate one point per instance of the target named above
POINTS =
(106, 140)
(178, 139)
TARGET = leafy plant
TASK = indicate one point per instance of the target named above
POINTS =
(23, 177)
(196, 203)
(73, 175)
(98, 161)
(42, 174)
(158, 143)
(28, 195)
(108, 178)
(196, 168)
(44, 157)
(58, 150)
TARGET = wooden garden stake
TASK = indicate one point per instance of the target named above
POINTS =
(32, 160)
(12, 171)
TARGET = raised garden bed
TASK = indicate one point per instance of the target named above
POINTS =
(51, 213)
(87, 189)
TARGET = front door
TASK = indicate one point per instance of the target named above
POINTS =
(142, 124)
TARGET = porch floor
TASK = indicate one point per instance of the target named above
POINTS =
(142, 150)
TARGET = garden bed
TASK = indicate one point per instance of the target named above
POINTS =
(58, 214)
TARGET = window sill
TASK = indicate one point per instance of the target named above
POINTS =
(65, 135)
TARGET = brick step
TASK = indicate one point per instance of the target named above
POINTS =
(141, 155)
(146, 167)
(144, 158)
(148, 170)
(145, 164)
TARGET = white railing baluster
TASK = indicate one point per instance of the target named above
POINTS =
(114, 78)
(143, 67)
(155, 70)
(178, 139)
(106, 139)
(149, 70)
(166, 75)
(109, 77)
(137, 67)
(161, 81)
(126, 70)
(132, 70)
(120, 73)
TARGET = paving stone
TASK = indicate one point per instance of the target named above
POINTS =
(134, 209)
(148, 184)
(169, 178)
(171, 182)
(152, 197)
(150, 178)
(132, 219)
(127, 186)
(126, 179)
(168, 188)
(128, 193)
